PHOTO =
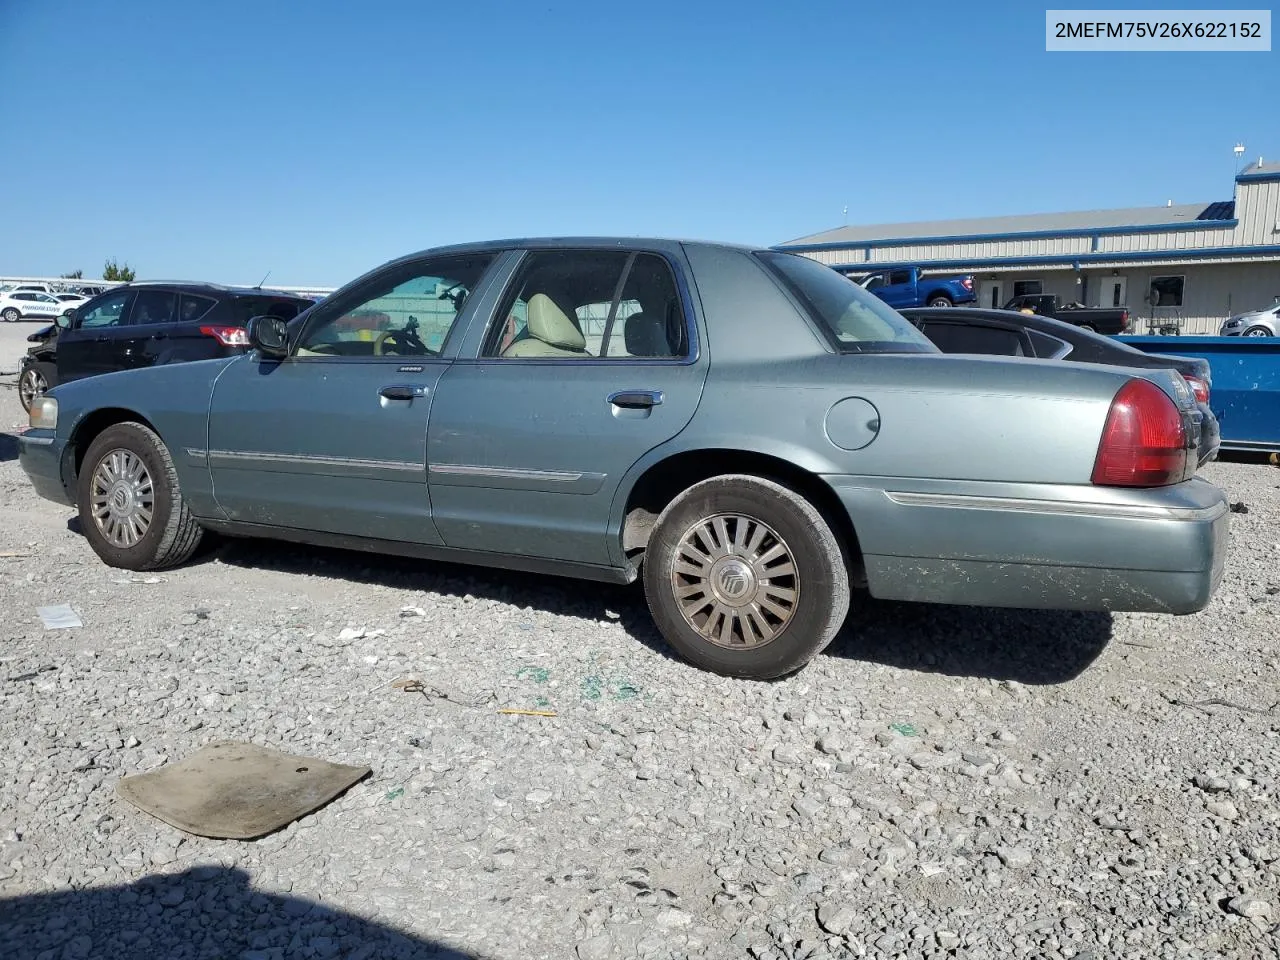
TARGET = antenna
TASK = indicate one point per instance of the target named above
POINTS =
(263, 280)
(846, 214)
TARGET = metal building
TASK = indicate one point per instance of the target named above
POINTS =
(1191, 265)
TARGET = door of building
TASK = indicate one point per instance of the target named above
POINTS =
(990, 295)
(1113, 292)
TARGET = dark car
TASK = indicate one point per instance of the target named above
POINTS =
(1101, 319)
(144, 324)
(1014, 334)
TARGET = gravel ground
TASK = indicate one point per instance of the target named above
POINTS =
(945, 782)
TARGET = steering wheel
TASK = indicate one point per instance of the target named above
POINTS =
(406, 343)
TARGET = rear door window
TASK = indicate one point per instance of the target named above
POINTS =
(192, 307)
(151, 307)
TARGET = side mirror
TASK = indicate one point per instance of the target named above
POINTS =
(269, 336)
(63, 320)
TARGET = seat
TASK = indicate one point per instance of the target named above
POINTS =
(645, 335)
(550, 333)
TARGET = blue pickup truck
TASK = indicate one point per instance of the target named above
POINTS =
(905, 287)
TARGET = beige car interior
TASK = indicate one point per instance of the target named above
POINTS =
(551, 332)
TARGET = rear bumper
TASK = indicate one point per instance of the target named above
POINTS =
(1031, 546)
(43, 459)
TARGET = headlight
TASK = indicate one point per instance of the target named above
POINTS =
(44, 414)
(1232, 323)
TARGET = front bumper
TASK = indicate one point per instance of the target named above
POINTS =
(44, 459)
(1031, 546)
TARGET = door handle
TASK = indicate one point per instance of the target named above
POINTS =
(402, 391)
(636, 399)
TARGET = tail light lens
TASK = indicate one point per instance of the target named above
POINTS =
(1144, 441)
(227, 336)
(1198, 387)
(967, 283)
(1124, 320)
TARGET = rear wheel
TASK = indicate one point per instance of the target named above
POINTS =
(131, 509)
(1089, 326)
(744, 577)
(940, 301)
(31, 384)
(11, 315)
(1257, 332)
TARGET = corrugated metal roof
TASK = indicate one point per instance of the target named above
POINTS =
(1266, 169)
(1023, 223)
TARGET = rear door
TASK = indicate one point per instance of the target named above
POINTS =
(89, 346)
(152, 322)
(589, 361)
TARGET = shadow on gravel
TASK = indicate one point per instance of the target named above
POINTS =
(205, 912)
(8, 447)
(1030, 646)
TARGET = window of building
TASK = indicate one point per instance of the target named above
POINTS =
(1027, 288)
(1167, 291)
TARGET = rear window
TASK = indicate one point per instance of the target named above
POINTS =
(286, 308)
(854, 320)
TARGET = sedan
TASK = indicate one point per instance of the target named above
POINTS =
(1255, 323)
(745, 431)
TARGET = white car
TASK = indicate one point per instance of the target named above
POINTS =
(31, 304)
(1255, 323)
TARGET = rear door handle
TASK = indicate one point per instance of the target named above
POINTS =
(636, 399)
(402, 391)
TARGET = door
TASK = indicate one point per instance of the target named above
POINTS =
(151, 323)
(990, 295)
(42, 305)
(91, 344)
(899, 289)
(1113, 291)
(529, 442)
(333, 438)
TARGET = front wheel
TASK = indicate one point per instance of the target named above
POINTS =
(31, 385)
(11, 315)
(745, 578)
(1257, 332)
(940, 302)
(131, 509)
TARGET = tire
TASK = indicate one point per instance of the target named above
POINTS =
(31, 384)
(11, 315)
(940, 301)
(1089, 326)
(170, 536)
(1258, 331)
(747, 506)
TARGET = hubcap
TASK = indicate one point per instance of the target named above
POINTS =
(31, 385)
(122, 498)
(1256, 333)
(735, 581)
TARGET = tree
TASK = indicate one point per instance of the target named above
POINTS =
(73, 275)
(113, 271)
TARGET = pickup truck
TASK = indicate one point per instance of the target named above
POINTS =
(1108, 320)
(905, 287)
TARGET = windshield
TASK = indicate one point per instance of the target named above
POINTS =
(857, 321)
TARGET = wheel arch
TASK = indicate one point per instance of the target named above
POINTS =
(653, 485)
(92, 424)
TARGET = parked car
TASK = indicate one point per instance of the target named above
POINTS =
(1100, 319)
(753, 435)
(1012, 334)
(906, 287)
(1255, 323)
(144, 324)
(20, 304)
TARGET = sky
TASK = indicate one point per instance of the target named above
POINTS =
(316, 139)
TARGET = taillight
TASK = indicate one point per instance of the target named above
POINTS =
(1198, 387)
(227, 336)
(1124, 319)
(967, 283)
(1144, 442)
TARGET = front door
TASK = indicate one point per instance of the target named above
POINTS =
(989, 294)
(1113, 292)
(93, 342)
(334, 437)
(529, 442)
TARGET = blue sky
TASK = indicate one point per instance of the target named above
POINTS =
(222, 139)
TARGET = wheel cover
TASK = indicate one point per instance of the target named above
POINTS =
(31, 385)
(122, 498)
(735, 581)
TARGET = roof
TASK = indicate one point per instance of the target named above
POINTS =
(1260, 171)
(209, 287)
(1080, 220)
